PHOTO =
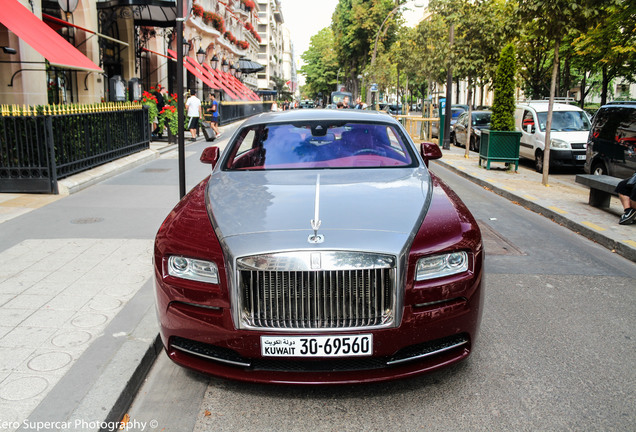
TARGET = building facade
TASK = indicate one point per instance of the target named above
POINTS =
(132, 43)
(270, 55)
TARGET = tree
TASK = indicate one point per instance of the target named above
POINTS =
(355, 24)
(554, 18)
(610, 42)
(281, 87)
(321, 66)
(503, 107)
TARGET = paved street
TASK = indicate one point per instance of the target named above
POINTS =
(78, 327)
(555, 351)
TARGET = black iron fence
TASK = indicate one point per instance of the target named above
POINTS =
(38, 150)
(230, 112)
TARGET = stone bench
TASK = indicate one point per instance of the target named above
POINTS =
(601, 188)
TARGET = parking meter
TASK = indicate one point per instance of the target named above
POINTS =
(442, 117)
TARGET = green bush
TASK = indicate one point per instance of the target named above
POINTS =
(503, 108)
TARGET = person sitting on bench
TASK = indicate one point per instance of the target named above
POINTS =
(626, 191)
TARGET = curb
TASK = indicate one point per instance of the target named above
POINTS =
(609, 243)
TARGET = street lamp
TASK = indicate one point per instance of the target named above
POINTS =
(418, 4)
(68, 6)
(225, 65)
(233, 70)
(201, 55)
(238, 73)
(214, 61)
(186, 47)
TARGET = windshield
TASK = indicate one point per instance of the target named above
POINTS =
(319, 145)
(481, 119)
(565, 121)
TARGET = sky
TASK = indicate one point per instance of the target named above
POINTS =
(305, 18)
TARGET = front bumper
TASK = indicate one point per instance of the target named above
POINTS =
(429, 337)
(567, 158)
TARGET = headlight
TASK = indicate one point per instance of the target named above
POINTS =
(559, 144)
(193, 269)
(441, 265)
(478, 132)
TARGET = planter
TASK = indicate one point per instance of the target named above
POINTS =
(499, 146)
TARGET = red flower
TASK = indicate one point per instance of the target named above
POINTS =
(197, 10)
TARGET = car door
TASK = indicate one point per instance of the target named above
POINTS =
(625, 139)
(528, 128)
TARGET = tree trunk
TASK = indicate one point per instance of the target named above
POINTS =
(548, 125)
(604, 86)
(582, 101)
(457, 91)
(470, 118)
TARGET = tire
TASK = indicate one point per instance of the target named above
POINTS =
(454, 140)
(599, 169)
(538, 161)
(472, 144)
(477, 143)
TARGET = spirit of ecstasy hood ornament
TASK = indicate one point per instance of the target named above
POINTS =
(315, 222)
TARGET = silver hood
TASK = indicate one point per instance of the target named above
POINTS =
(377, 210)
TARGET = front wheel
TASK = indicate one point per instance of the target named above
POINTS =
(538, 161)
(599, 169)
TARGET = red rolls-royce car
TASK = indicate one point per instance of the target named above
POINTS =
(320, 250)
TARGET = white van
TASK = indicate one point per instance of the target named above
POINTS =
(568, 137)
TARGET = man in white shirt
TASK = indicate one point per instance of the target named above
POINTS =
(193, 106)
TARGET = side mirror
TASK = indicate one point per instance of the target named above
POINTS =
(430, 151)
(210, 156)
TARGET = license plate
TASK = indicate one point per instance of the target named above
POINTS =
(317, 346)
(580, 157)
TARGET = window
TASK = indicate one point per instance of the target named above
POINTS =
(565, 121)
(528, 120)
(319, 145)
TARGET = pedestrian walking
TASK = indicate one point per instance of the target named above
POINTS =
(214, 109)
(159, 92)
(626, 190)
(193, 107)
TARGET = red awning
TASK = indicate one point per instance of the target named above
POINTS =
(224, 82)
(212, 81)
(248, 93)
(32, 30)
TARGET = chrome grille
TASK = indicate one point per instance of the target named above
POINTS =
(301, 298)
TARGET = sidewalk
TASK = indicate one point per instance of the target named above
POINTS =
(78, 328)
(563, 201)
(77, 339)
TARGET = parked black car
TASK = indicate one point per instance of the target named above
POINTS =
(611, 144)
(459, 132)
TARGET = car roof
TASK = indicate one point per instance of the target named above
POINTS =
(620, 104)
(542, 106)
(320, 115)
